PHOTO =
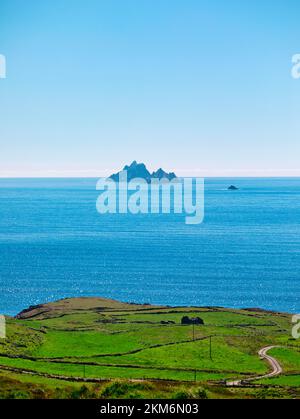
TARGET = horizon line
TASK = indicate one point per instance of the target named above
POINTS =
(261, 176)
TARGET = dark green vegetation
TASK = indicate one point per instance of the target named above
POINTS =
(90, 348)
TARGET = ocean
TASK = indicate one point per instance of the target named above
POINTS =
(246, 253)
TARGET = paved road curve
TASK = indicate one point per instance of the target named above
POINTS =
(276, 368)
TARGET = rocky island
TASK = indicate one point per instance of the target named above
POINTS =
(139, 170)
(233, 188)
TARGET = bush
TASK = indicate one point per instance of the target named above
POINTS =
(18, 395)
(120, 389)
(182, 395)
(268, 393)
(83, 393)
(201, 394)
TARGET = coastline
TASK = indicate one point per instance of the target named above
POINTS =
(144, 305)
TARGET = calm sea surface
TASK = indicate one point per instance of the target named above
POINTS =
(54, 244)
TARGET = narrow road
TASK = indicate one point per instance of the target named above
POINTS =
(276, 368)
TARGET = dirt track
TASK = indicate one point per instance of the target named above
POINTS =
(276, 368)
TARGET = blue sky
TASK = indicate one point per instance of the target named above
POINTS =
(200, 87)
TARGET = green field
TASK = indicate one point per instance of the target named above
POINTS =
(88, 347)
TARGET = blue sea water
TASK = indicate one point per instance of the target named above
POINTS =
(54, 244)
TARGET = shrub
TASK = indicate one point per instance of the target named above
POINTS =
(18, 395)
(268, 393)
(182, 395)
(201, 393)
(121, 388)
(83, 393)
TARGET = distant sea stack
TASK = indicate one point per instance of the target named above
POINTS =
(233, 188)
(139, 170)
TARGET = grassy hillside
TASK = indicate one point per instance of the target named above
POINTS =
(76, 347)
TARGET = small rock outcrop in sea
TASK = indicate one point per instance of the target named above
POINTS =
(233, 188)
(191, 320)
(139, 170)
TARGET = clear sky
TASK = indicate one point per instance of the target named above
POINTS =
(201, 87)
